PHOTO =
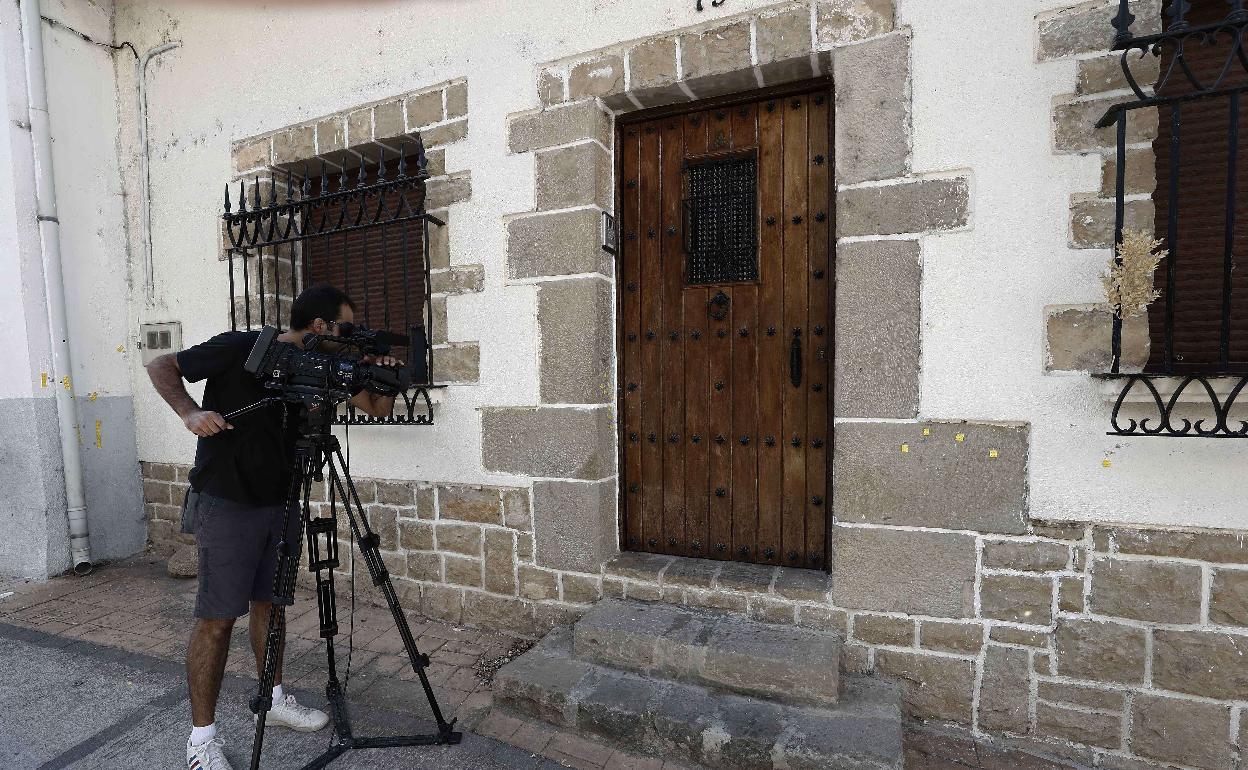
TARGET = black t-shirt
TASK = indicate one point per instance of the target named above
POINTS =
(251, 463)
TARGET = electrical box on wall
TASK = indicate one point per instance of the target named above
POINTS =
(155, 340)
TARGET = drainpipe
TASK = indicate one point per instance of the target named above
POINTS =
(145, 176)
(54, 286)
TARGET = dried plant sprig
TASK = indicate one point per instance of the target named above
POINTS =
(1129, 282)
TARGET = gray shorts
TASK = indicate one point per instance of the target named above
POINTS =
(238, 546)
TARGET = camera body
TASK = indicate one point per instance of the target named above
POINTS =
(317, 378)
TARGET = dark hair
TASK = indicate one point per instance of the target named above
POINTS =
(321, 301)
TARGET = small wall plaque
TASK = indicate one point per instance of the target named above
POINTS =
(610, 239)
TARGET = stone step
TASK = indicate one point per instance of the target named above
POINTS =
(705, 726)
(728, 652)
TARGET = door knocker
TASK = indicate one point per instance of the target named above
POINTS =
(718, 306)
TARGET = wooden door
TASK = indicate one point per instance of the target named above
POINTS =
(725, 308)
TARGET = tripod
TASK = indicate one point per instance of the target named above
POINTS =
(315, 449)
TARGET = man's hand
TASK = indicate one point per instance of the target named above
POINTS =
(382, 360)
(204, 424)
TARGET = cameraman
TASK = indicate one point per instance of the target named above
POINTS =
(235, 506)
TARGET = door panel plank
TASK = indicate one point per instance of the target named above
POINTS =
(629, 142)
(772, 344)
(745, 126)
(652, 323)
(744, 436)
(671, 340)
(719, 396)
(795, 223)
(697, 420)
(818, 346)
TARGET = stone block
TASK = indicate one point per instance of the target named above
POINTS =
(1085, 28)
(397, 493)
(965, 638)
(157, 492)
(969, 476)
(906, 207)
(463, 539)
(538, 583)
(252, 155)
(462, 571)
(639, 566)
(424, 566)
(1086, 697)
(1070, 594)
(691, 573)
(549, 442)
(384, 521)
(652, 64)
(468, 503)
(576, 321)
(1180, 730)
(731, 82)
(441, 193)
(1228, 603)
(1011, 635)
(739, 576)
(1080, 339)
(883, 629)
(1141, 176)
(1039, 556)
(574, 524)
(1161, 592)
(1017, 598)
(1226, 547)
(783, 36)
(442, 602)
(920, 573)
(388, 120)
(715, 51)
(560, 125)
(802, 584)
(416, 535)
(1092, 221)
(424, 109)
(768, 611)
(838, 22)
(1205, 663)
(331, 135)
(1104, 730)
(1101, 651)
(878, 284)
(1004, 690)
(425, 507)
(499, 612)
(460, 279)
(359, 127)
(934, 687)
(599, 76)
(564, 243)
(457, 363)
(1074, 126)
(444, 134)
(579, 175)
(1104, 73)
(551, 88)
(439, 244)
(873, 110)
(613, 708)
(581, 589)
(457, 100)
(717, 600)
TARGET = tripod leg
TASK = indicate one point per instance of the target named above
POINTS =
(368, 543)
(283, 595)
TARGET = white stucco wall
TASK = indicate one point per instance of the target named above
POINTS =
(981, 104)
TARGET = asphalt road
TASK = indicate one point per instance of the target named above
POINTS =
(66, 703)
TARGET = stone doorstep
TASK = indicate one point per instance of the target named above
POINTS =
(695, 724)
(780, 663)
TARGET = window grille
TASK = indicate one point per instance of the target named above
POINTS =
(721, 220)
(1198, 327)
(361, 229)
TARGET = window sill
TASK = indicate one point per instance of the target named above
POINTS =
(1111, 386)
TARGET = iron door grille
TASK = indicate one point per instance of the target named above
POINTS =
(721, 220)
(364, 230)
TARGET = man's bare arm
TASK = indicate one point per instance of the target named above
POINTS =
(166, 377)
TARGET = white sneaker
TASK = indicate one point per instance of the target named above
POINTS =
(288, 713)
(207, 756)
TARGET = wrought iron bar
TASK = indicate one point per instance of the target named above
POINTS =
(1122, 22)
(1120, 185)
(1172, 234)
(1162, 420)
(1228, 255)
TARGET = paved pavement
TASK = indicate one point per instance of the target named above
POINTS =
(92, 675)
(74, 704)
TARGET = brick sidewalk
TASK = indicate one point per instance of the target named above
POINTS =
(134, 605)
